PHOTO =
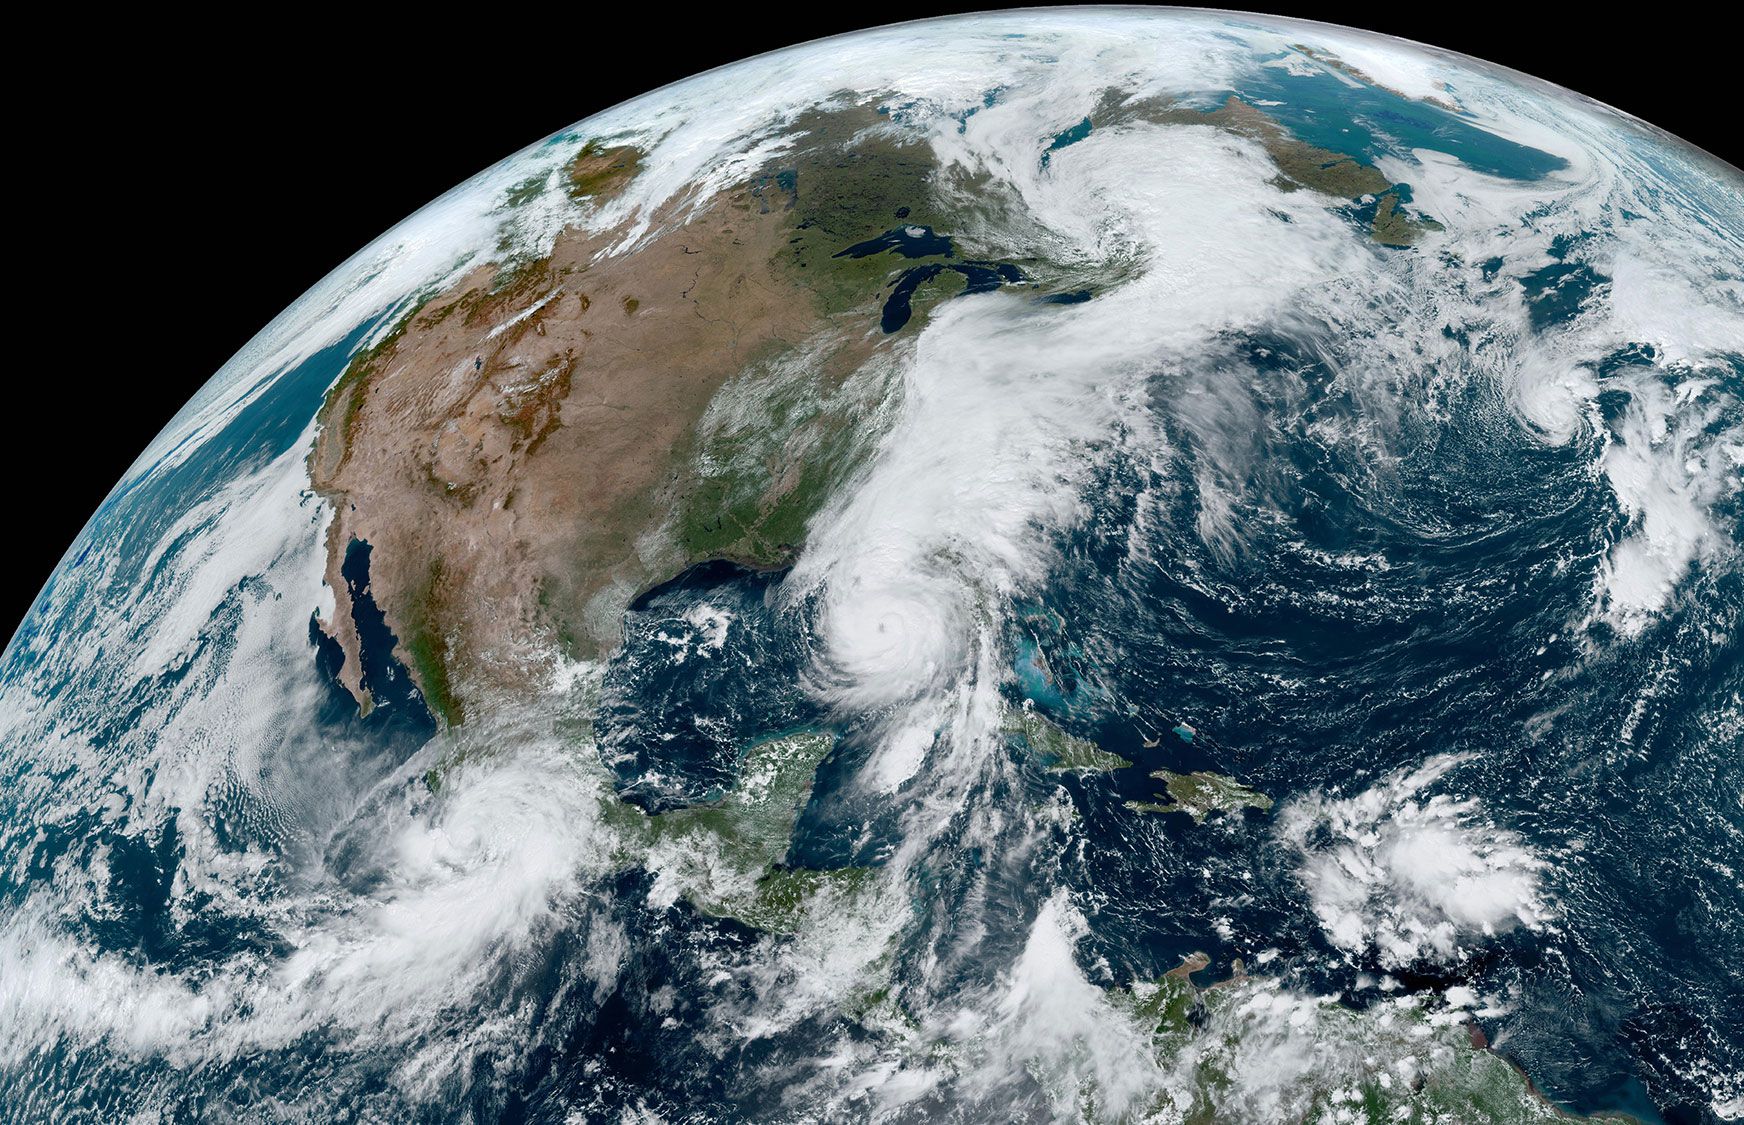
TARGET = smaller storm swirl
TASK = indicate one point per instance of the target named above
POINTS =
(1090, 565)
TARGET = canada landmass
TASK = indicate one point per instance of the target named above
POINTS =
(545, 438)
(535, 444)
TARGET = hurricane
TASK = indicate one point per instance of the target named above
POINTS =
(1096, 564)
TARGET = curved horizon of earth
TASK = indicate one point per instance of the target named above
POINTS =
(1093, 564)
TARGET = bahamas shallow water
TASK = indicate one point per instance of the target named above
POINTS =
(1432, 545)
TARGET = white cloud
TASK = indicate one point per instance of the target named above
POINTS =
(1409, 876)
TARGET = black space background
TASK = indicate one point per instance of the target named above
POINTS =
(181, 181)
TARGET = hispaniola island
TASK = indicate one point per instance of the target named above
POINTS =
(1076, 565)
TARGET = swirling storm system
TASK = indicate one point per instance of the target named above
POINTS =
(1094, 564)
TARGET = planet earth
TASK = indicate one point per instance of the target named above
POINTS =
(1110, 565)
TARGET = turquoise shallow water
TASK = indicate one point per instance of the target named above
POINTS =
(1364, 120)
(1410, 578)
